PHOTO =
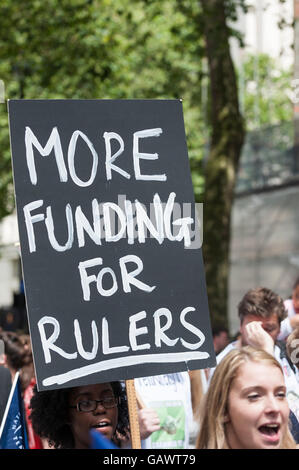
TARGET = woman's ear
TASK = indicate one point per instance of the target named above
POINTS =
(226, 418)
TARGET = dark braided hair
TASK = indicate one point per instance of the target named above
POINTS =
(50, 416)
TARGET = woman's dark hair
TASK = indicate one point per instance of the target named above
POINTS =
(14, 350)
(50, 416)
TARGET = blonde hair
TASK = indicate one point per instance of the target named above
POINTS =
(197, 394)
(212, 427)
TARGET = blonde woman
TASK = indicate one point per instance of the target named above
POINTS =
(245, 406)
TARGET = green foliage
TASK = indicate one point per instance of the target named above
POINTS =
(135, 49)
(266, 89)
(122, 49)
(75, 49)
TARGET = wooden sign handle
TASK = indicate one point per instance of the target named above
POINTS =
(133, 414)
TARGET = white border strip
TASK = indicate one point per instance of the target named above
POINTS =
(124, 362)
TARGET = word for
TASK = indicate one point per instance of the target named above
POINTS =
(163, 228)
(162, 319)
(54, 143)
(128, 278)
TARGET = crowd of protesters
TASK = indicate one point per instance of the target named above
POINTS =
(249, 400)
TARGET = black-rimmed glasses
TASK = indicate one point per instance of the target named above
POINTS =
(87, 406)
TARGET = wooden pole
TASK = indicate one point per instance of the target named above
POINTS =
(133, 414)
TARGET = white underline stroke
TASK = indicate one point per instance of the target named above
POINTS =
(124, 362)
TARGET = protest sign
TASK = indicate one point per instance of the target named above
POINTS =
(112, 263)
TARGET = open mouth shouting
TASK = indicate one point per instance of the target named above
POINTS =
(258, 409)
(104, 426)
(270, 433)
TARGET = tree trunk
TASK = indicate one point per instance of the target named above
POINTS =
(227, 135)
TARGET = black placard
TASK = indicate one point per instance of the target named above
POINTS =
(112, 263)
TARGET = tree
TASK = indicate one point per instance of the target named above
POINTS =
(88, 49)
(100, 49)
(227, 136)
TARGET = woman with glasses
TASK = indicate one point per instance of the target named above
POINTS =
(66, 416)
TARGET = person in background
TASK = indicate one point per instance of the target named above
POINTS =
(15, 355)
(65, 417)
(292, 307)
(246, 406)
(28, 382)
(5, 381)
(14, 317)
(27, 371)
(261, 311)
(220, 338)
